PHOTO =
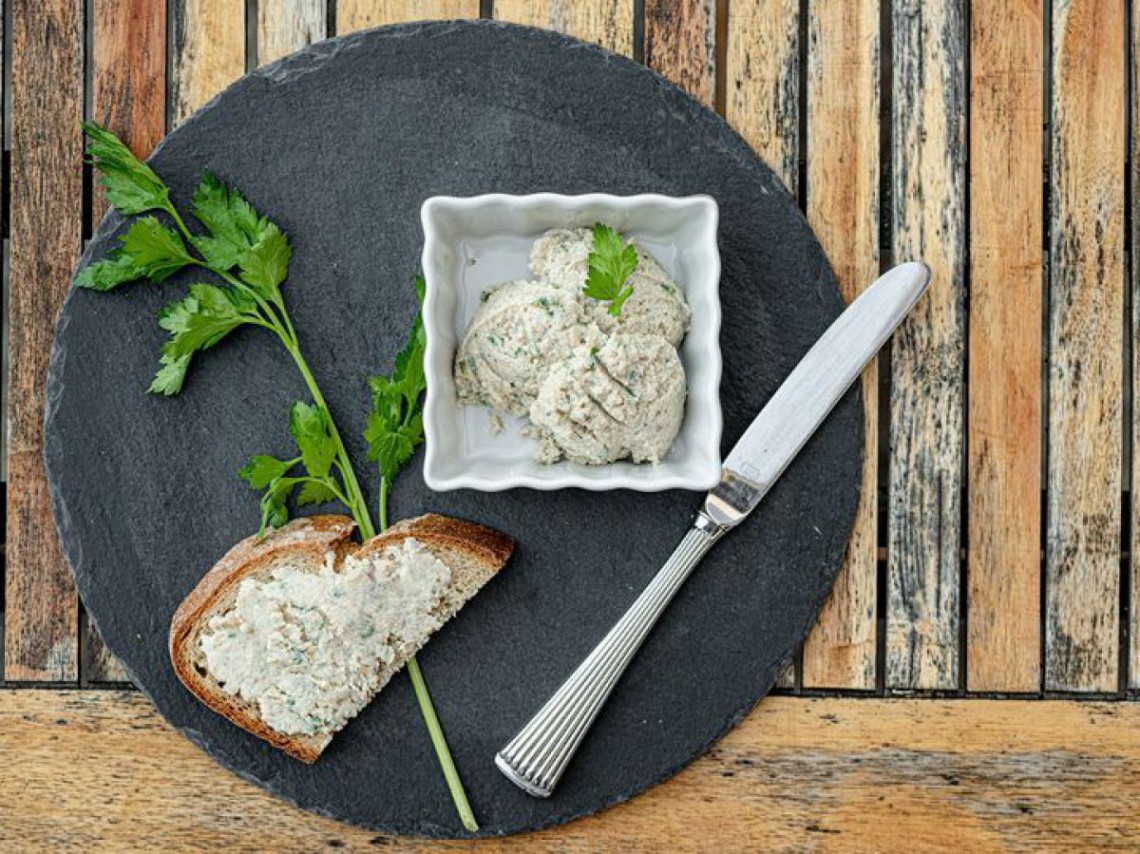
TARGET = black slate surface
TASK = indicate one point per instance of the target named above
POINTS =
(340, 144)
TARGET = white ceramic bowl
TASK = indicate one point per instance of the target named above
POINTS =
(473, 243)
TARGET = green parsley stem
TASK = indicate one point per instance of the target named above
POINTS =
(280, 323)
(331, 484)
(447, 764)
(359, 510)
(427, 709)
(357, 505)
(173, 211)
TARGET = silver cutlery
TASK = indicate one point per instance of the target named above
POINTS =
(537, 757)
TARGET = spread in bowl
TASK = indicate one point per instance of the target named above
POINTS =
(597, 384)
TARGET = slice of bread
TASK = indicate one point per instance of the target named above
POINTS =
(471, 552)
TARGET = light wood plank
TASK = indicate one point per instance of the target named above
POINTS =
(605, 22)
(42, 610)
(128, 83)
(209, 51)
(762, 74)
(926, 432)
(352, 15)
(1004, 434)
(284, 26)
(680, 44)
(843, 208)
(1134, 635)
(1085, 346)
(128, 75)
(762, 101)
(100, 770)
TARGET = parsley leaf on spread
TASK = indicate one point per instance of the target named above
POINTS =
(611, 263)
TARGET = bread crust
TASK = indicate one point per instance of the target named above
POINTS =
(313, 537)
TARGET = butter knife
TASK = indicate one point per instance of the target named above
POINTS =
(536, 758)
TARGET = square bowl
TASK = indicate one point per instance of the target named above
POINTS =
(473, 243)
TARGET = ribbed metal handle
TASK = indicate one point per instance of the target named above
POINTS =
(537, 756)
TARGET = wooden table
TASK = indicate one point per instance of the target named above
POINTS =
(968, 684)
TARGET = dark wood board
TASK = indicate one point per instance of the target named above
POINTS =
(340, 144)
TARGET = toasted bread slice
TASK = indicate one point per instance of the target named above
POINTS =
(472, 553)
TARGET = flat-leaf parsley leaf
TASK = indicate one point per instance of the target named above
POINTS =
(611, 263)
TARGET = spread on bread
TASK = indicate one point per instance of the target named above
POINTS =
(291, 635)
(306, 646)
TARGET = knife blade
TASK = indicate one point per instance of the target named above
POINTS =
(536, 758)
(812, 390)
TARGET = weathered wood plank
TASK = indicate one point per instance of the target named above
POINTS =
(87, 769)
(762, 78)
(605, 22)
(284, 26)
(926, 430)
(209, 51)
(352, 15)
(762, 101)
(42, 610)
(680, 43)
(1085, 346)
(1134, 634)
(128, 75)
(843, 208)
(128, 95)
(1004, 430)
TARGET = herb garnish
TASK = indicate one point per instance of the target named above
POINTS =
(250, 256)
(396, 422)
(611, 262)
(323, 480)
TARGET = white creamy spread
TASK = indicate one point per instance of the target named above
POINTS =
(597, 388)
(519, 331)
(624, 399)
(307, 647)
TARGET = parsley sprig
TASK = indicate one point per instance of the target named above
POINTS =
(247, 257)
(611, 263)
(396, 422)
(395, 430)
(323, 478)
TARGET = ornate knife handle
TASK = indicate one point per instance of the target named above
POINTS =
(537, 756)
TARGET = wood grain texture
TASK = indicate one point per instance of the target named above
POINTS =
(762, 98)
(209, 52)
(680, 44)
(1085, 346)
(762, 102)
(605, 22)
(100, 770)
(843, 208)
(42, 609)
(353, 15)
(128, 75)
(1004, 428)
(128, 96)
(1134, 568)
(927, 397)
(284, 26)
(762, 78)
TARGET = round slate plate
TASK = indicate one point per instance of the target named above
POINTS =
(340, 144)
